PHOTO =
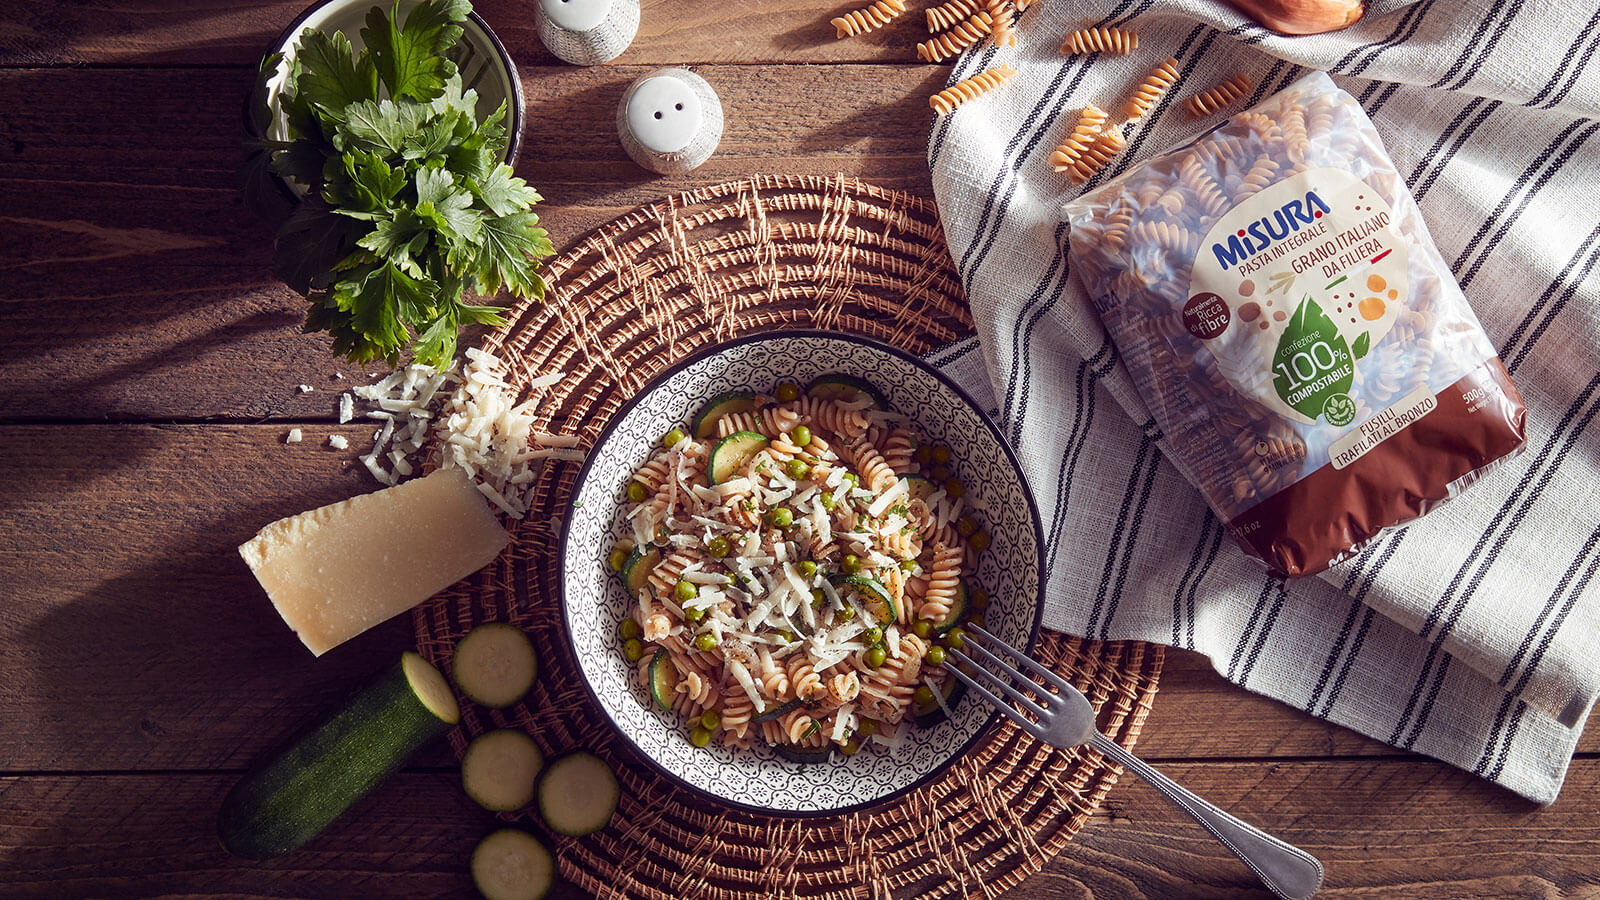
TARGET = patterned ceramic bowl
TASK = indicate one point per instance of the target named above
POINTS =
(594, 601)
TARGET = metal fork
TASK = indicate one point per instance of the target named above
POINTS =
(1063, 718)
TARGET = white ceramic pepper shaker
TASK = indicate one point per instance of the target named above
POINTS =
(586, 32)
(670, 121)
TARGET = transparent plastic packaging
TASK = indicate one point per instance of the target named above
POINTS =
(1278, 302)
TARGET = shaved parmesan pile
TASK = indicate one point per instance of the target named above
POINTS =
(475, 423)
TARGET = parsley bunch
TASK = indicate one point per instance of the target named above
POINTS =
(409, 205)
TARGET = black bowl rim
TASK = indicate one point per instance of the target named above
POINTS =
(514, 103)
(783, 333)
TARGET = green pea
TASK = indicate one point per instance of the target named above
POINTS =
(955, 638)
(877, 656)
(788, 392)
(633, 650)
(851, 746)
(873, 635)
(797, 469)
(782, 517)
(922, 628)
(695, 616)
(853, 478)
(867, 727)
(966, 525)
(628, 629)
(978, 598)
(706, 642)
(980, 541)
(925, 454)
(710, 721)
(934, 656)
(940, 473)
(807, 568)
(782, 638)
(941, 454)
(818, 599)
(922, 696)
(685, 591)
(637, 492)
(847, 613)
(827, 501)
(851, 564)
(719, 546)
(908, 566)
(800, 436)
(618, 557)
(699, 737)
(671, 438)
(955, 488)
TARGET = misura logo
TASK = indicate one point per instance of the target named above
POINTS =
(1265, 231)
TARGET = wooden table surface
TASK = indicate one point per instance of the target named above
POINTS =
(149, 362)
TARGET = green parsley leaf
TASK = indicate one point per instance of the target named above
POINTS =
(371, 126)
(409, 60)
(504, 260)
(329, 78)
(504, 193)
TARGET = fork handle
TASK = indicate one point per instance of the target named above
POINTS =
(1286, 870)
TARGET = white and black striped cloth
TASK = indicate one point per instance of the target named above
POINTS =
(1469, 636)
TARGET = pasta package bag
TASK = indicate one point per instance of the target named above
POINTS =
(1276, 298)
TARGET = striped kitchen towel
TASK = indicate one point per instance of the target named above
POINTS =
(1468, 636)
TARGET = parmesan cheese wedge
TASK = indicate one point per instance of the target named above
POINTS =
(336, 571)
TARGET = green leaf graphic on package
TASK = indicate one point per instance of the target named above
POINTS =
(1312, 366)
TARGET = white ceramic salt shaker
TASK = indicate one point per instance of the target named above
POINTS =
(670, 121)
(586, 32)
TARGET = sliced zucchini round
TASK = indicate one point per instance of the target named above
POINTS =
(510, 864)
(920, 488)
(848, 388)
(705, 423)
(499, 768)
(958, 609)
(636, 570)
(806, 755)
(663, 680)
(494, 664)
(932, 713)
(731, 453)
(774, 713)
(578, 794)
(874, 596)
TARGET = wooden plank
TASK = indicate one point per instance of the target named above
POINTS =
(134, 637)
(1383, 828)
(671, 32)
(139, 286)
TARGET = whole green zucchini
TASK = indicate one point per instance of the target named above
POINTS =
(294, 796)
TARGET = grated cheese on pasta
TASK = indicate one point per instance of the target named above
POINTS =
(758, 630)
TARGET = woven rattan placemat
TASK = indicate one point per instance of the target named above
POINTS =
(625, 303)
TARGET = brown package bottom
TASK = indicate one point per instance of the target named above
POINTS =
(1329, 515)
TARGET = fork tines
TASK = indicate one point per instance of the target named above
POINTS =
(1052, 700)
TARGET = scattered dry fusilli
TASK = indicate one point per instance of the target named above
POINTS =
(1207, 102)
(868, 18)
(1150, 90)
(941, 47)
(970, 88)
(1101, 40)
